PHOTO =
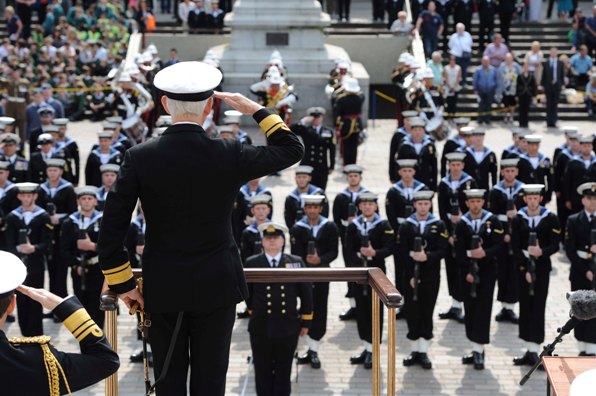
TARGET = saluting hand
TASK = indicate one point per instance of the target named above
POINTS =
(239, 102)
(47, 300)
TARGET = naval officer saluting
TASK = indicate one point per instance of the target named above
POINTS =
(191, 267)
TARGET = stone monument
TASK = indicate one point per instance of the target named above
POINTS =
(295, 29)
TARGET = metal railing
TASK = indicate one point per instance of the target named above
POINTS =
(382, 289)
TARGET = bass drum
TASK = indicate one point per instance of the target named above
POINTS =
(135, 129)
(438, 128)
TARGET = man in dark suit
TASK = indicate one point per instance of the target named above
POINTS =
(552, 82)
(191, 266)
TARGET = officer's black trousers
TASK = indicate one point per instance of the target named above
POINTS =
(350, 149)
(207, 336)
(419, 313)
(272, 358)
(479, 309)
(400, 281)
(320, 295)
(90, 296)
(532, 308)
(363, 295)
(57, 271)
(29, 311)
(453, 275)
(507, 276)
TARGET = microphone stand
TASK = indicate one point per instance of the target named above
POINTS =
(549, 349)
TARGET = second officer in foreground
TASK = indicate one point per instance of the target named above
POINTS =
(191, 267)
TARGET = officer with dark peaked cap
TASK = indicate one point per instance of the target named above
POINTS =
(504, 200)
(276, 322)
(78, 248)
(193, 258)
(398, 136)
(260, 210)
(103, 154)
(233, 118)
(319, 145)
(315, 239)
(29, 235)
(421, 273)
(481, 161)
(399, 206)
(294, 205)
(19, 166)
(563, 154)
(580, 250)
(37, 163)
(345, 209)
(241, 214)
(452, 204)
(67, 149)
(533, 280)
(32, 365)
(109, 174)
(420, 147)
(457, 142)
(535, 167)
(578, 173)
(478, 288)
(45, 115)
(372, 228)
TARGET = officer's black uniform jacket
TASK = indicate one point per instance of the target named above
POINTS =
(294, 206)
(577, 242)
(576, 174)
(452, 145)
(22, 359)
(319, 147)
(446, 195)
(92, 172)
(396, 201)
(19, 169)
(68, 150)
(484, 172)
(426, 169)
(273, 306)
(543, 174)
(380, 235)
(190, 255)
(137, 227)
(326, 238)
(548, 232)
(341, 208)
(69, 236)
(250, 242)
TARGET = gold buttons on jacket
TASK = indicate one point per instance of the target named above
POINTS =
(268, 295)
(269, 311)
(268, 287)
(283, 311)
(282, 287)
(283, 294)
(269, 303)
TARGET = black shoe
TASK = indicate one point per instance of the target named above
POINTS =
(358, 359)
(468, 359)
(304, 359)
(368, 363)
(411, 359)
(10, 319)
(138, 358)
(424, 361)
(478, 360)
(315, 362)
(348, 315)
(400, 314)
(583, 353)
(243, 315)
(522, 360)
(507, 315)
(533, 359)
(453, 313)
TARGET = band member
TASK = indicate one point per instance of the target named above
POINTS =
(233, 118)
(398, 136)
(578, 173)
(109, 174)
(294, 205)
(422, 241)
(580, 248)
(29, 235)
(399, 206)
(319, 145)
(504, 200)
(241, 216)
(420, 147)
(315, 239)
(67, 149)
(370, 239)
(19, 166)
(275, 321)
(275, 93)
(344, 211)
(478, 238)
(561, 157)
(535, 167)
(534, 266)
(427, 95)
(78, 245)
(33, 365)
(452, 204)
(481, 162)
(104, 154)
(347, 111)
(458, 142)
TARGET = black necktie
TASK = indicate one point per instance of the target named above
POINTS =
(273, 263)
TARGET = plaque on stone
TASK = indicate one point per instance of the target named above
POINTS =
(277, 39)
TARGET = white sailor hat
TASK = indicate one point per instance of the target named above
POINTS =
(7, 120)
(573, 135)
(4, 165)
(105, 134)
(367, 196)
(417, 122)
(533, 138)
(275, 78)
(164, 120)
(188, 81)
(409, 114)
(467, 130)
(532, 189)
(261, 199)
(125, 77)
(232, 117)
(152, 49)
(478, 131)
(461, 121)
(353, 168)
(272, 229)
(475, 193)
(12, 274)
(423, 195)
(115, 120)
(86, 190)
(27, 188)
(406, 163)
(316, 111)
(404, 56)
(55, 163)
(46, 110)
(456, 156)
(225, 129)
(587, 189)
(45, 138)
(303, 170)
(583, 139)
(109, 126)
(60, 121)
(351, 85)
(569, 129)
(509, 163)
(310, 199)
(51, 128)
(109, 168)
(10, 138)
(343, 65)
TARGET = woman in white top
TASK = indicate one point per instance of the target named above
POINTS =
(534, 57)
(452, 74)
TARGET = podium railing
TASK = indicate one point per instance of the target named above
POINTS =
(382, 289)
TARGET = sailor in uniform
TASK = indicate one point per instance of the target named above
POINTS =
(481, 161)
(535, 167)
(419, 146)
(578, 173)
(241, 216)
(516, 149)
(37, 162)
(232, 118)
(294, 205)
(561, 157)
(104, 154)
(457, 142)
(67, 148)
(8, 194)
(398, 136)
(19, 166)
(109, 174)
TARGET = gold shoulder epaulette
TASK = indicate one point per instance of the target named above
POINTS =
(41, 340)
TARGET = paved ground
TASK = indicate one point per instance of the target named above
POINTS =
(337, 376)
